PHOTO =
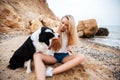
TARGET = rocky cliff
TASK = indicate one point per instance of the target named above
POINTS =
(19, 15)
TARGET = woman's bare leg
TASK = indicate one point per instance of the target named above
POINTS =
(69, 62)
(39, 60)
(39, 67)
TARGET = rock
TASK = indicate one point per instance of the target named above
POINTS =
(49, 22)
(34, 25)
(16, 15)
(42, 21)
(87, 28)
(80, 28)
(9, 19)
(102, 32)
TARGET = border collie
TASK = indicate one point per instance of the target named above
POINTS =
(38, 41)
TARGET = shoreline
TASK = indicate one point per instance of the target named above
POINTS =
(102, 62)
(106, 41)
(116, 47)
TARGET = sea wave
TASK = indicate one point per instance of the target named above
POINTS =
(106, 41)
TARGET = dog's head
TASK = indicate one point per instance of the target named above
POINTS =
(47, 34)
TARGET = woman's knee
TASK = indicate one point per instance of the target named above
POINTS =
(37, 55)
(80, 57)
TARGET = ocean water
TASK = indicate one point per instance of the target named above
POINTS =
(112, 40)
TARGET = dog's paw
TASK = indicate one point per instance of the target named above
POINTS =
(28, 71)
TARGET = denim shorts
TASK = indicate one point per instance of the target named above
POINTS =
(60, 56)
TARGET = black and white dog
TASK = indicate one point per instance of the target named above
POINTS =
(38, 41)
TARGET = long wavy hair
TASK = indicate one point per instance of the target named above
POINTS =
(71, 34)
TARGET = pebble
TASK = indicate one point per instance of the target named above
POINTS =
(111, 60)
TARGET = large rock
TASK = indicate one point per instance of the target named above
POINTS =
(102, 32)
(34, 25)
(87, 28)
(80, 28)
(19, 14)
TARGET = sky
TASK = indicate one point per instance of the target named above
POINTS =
(106, 12)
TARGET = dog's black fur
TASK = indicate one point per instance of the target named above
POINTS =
(26, 51)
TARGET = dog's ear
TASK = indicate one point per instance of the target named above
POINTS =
(41, 35)
(41, 38)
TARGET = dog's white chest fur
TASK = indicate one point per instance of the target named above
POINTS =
(40, 46)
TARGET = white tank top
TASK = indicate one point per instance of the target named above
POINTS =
(64, 43)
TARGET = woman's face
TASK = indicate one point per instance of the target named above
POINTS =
(64, 25)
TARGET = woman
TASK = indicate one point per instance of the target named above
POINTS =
(63, 55)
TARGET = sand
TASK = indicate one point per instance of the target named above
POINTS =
(101, 62)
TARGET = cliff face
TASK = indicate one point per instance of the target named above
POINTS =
(17, 15)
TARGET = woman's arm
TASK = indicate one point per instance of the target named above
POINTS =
(69, 48)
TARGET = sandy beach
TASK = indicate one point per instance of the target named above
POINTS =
(101, 62)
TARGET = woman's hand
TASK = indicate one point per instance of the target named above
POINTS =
(69, 48)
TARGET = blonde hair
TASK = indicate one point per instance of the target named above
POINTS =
(71, 33)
